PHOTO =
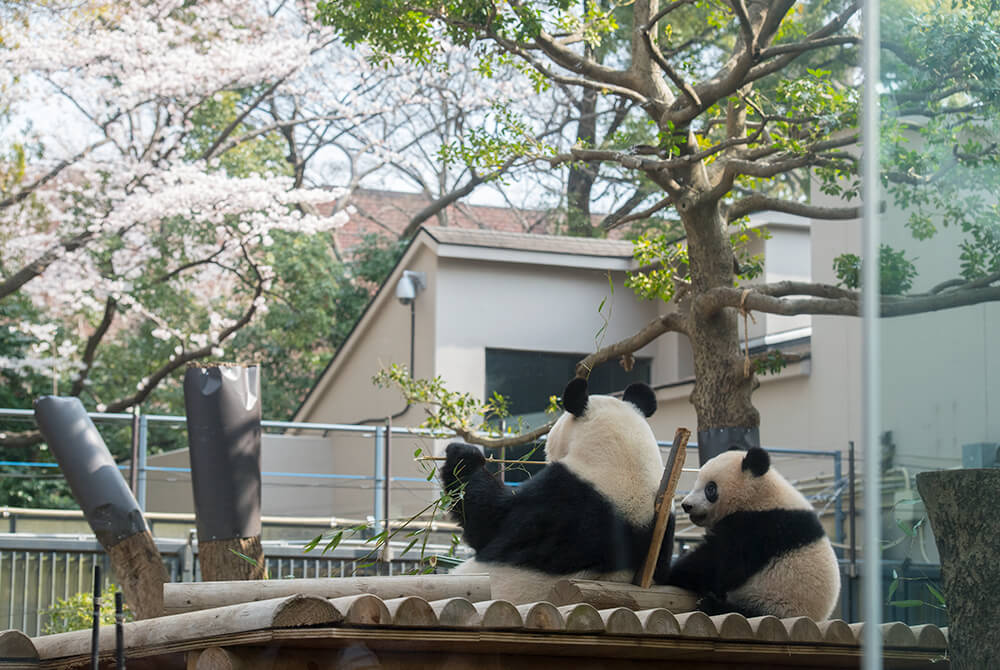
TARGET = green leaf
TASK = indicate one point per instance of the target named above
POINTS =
(312, 543)
(332, 544)
(907, 603)
(937, 594)
(893, 586)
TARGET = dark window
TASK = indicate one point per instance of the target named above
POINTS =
(528, 378)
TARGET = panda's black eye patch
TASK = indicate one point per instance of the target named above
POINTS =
(711, 492)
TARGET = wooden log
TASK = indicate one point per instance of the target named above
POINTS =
(141, 574)
(363, 610)
(541, 616)
(802, 629)
(898, 634)
(582, 618)
(658, 621)
(604, 595)
(732, 626)
(16, 646)
(836, 631)
(217, 658)
(768, 629)
(218, 562)
(411, 611)
(696, 624)
(192, 596)
(499, 615)
(456, 613)
(662, 504)
(286, 612)
(930, 636)
(620, 621)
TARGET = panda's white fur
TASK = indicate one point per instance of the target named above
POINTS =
(610, 447)
(804, 581)
(613, 448)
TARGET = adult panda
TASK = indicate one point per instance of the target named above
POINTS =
(587, 514)
(765, 551)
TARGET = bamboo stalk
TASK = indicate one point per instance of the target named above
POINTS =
(662, 505)
(490, 459)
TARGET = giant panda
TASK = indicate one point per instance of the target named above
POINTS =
(587, 514)
(764, 552)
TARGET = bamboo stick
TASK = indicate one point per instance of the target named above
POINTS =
(490, 459)
(663, 504)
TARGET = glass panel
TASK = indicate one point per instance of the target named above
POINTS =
(933, 393)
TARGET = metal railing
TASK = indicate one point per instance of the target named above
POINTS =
(34, 574)
(37, 571)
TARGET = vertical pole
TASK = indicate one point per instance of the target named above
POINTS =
(119, 632)
(838, 513)
(96, 627)
(387, 489)
(133, 468)
(852, 566)
(871, 341)
(378, 512)
(503, 451)
(140, 495)
(386, 552)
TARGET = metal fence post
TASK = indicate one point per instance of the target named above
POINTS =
(380, 483)
(838, 515)
(143, 444)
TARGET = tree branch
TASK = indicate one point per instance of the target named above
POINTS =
(48, 176)
(674, 322)
(183, 359)
(89, 352)
(499, 442)
(450, 198)
(611, 223)
(762, 203)
(839, 302)
(39, 265)
(658, 58)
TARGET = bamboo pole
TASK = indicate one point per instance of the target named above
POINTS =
(490, 459)
(663, 504)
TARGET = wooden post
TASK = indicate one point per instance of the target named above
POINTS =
(664, 503)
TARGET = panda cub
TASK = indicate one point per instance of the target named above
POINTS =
(587, 514)
(765, 551)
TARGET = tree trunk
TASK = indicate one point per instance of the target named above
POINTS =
(962, 511)
(139, 568)
(580, 181)
(219, 562)
(722, 390)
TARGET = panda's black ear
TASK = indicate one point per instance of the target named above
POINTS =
(574, 397)
(756, 461)
(641, 396)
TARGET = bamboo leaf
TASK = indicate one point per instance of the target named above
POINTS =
(332, 544)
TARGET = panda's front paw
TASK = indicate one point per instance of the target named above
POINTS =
(461, 460)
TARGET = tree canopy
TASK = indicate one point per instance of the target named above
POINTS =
(738, 107)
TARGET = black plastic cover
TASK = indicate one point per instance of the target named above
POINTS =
(88, 467)
(714, 441)
(223, 419)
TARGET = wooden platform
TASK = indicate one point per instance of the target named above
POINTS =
(364, 630)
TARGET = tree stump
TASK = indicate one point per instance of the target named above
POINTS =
(961, 505)
(219, 562)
